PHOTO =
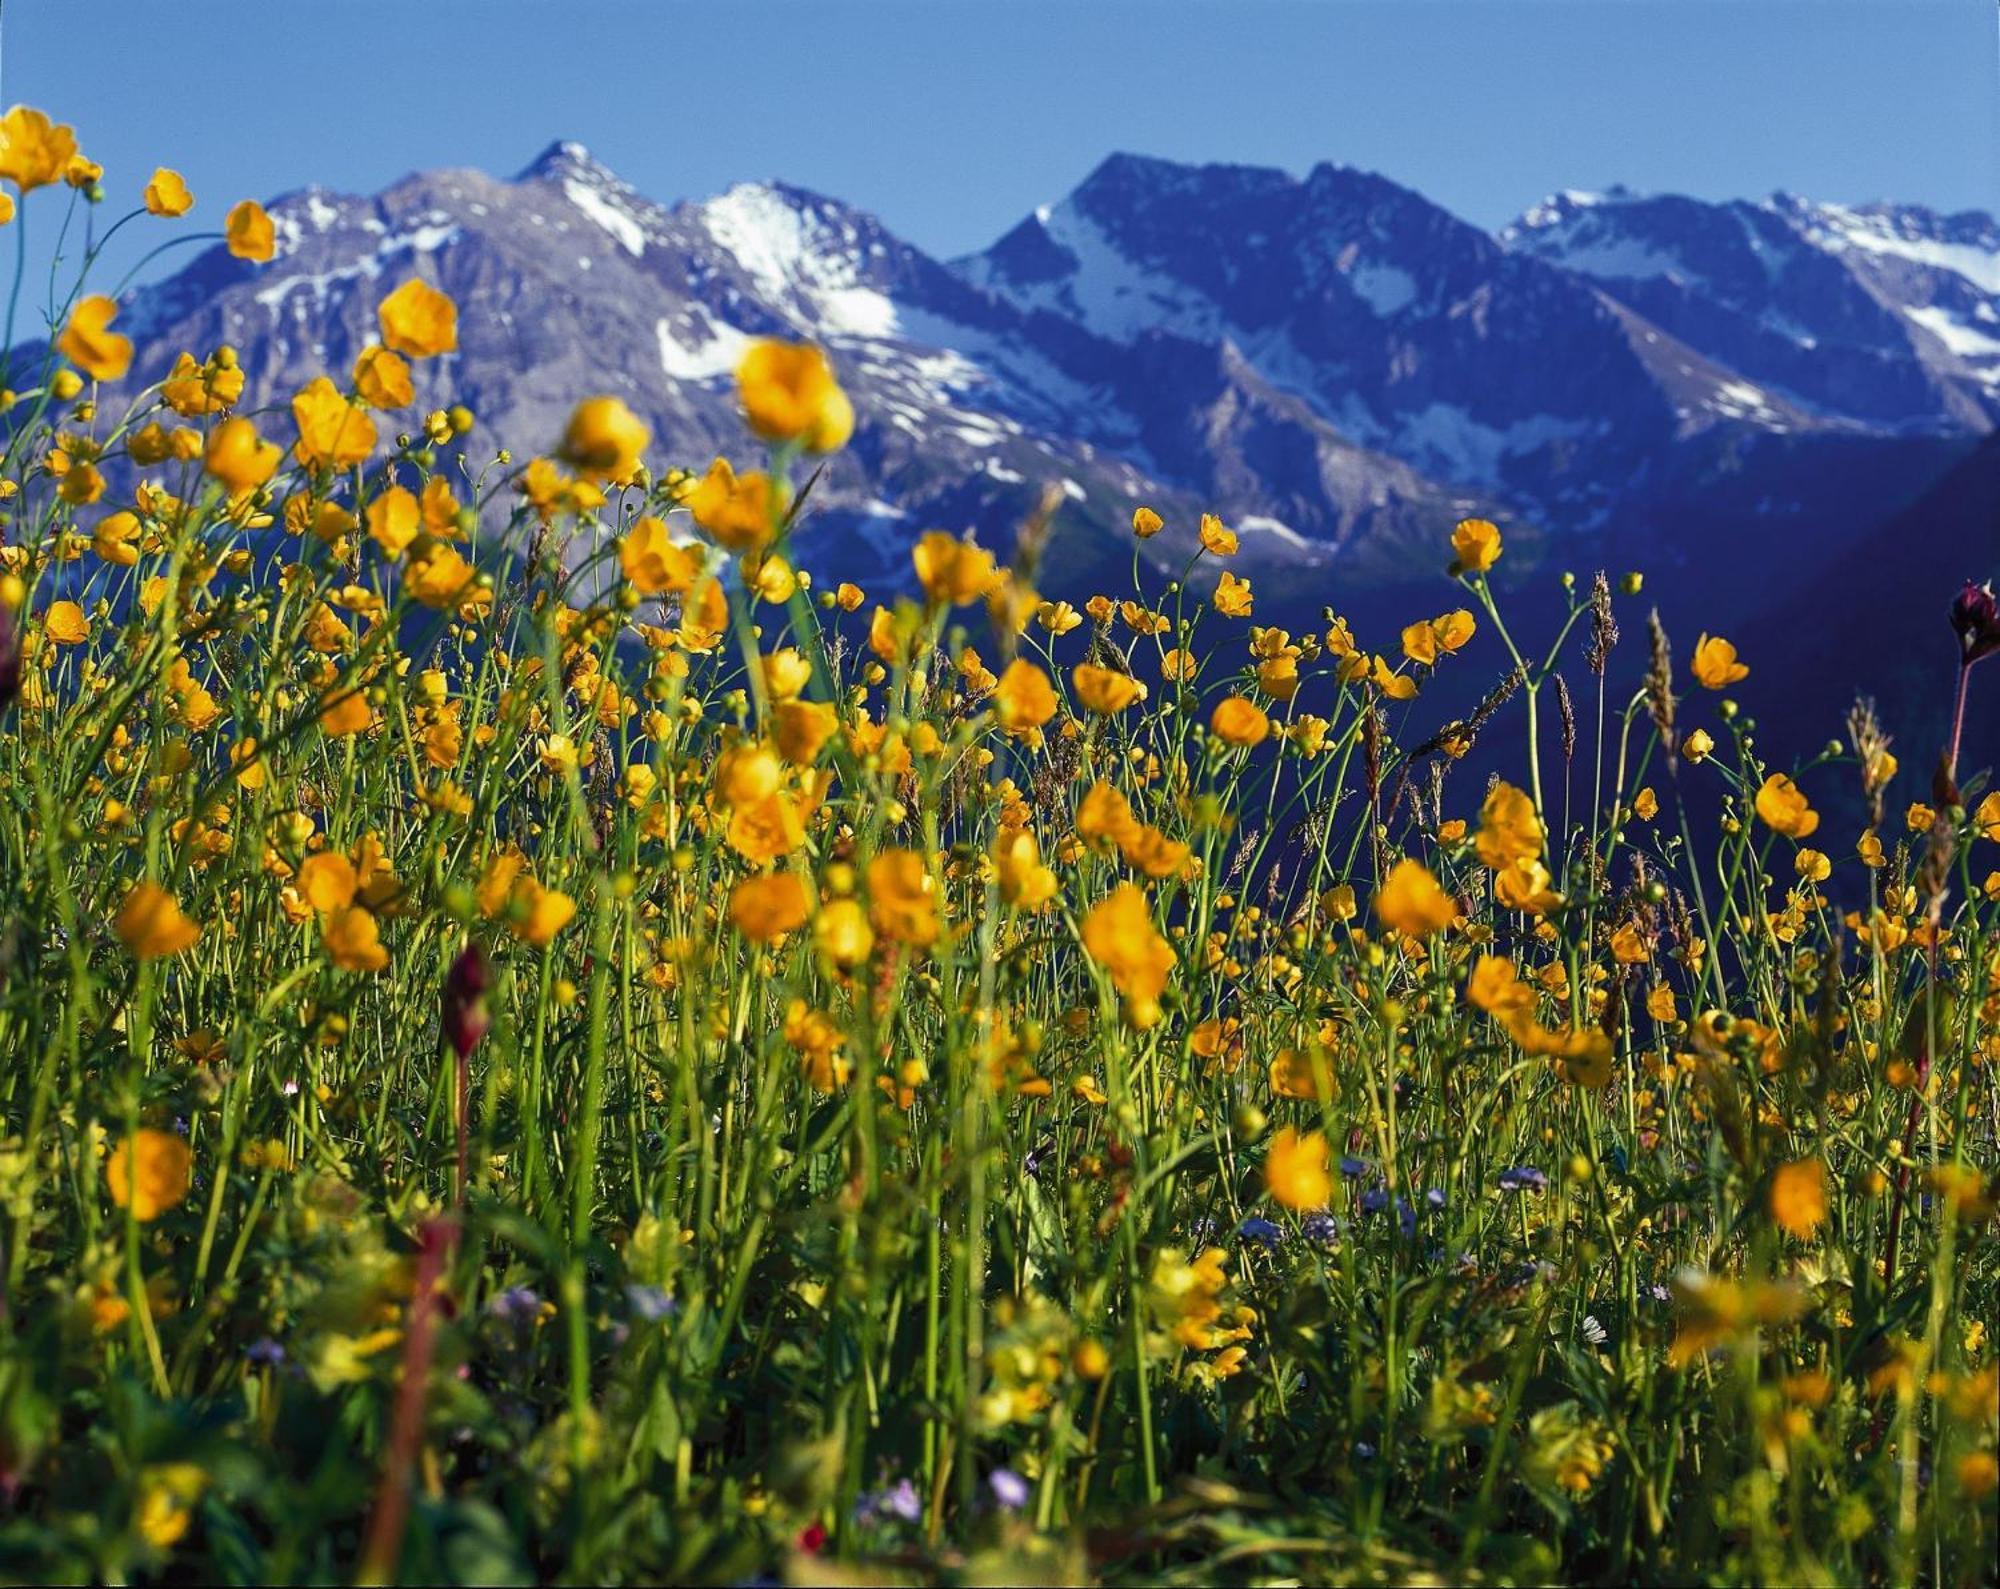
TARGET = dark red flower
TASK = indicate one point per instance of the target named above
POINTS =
(465, 1017)
(1976, 618)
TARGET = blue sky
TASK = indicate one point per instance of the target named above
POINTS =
(952, 118)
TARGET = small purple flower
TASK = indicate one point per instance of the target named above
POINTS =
(265, 1353)
(1523, 1178)
(515, 1305)
(1010, 1490)
(1322, 1229)
(1353, 1168)
(1260, 1230)
(649, 1303)
(1374, 1200)
(1434, 1197)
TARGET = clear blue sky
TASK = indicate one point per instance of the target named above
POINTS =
(951, 118)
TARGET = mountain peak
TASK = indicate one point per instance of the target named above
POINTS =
(567, 160)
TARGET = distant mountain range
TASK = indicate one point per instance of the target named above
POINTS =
(1731, 395)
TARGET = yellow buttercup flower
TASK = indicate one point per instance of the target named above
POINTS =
(1119, 935)
(248, 233)
(1476, 542)
(1783, 807)
(736, 510)
(382, 379)
(34, 151)
(1295, 1170)
(89, 343)
(353, 939)
(167, 193)
(902, 899)
(333, 433)
(1411, 901)
(1715, 666)
(1146, 523)
(765, 909)
(789, 394)
(605, 438)
(953, 572)
(65, 623)
(1105, 690)
(1232, 596)
(148, 1173)
(151, 925)
(1798, 1197)
(1239, 722)
(1216, 537)
(649, 559)
(419, 320)
(1023, 699)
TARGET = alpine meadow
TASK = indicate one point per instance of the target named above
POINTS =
(570, 1016)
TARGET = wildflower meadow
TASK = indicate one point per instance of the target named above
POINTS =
(545, 1040)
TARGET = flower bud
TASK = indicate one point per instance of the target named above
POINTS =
(1976, 618)
(464, 1014)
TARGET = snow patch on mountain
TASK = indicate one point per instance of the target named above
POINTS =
(625, 231)
(806, 262)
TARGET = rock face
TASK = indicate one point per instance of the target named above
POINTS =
(1335, 364)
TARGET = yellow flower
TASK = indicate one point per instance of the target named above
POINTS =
(952, 572)
(1024, 699)
(1986, 818)
(651, 561)
(383, 379)
(1715, 665)
(239, 457)
(789, 394)
(1813, 866)
(841, 933)
(1645, 805)
(1105, 690)
(167, 1498)
(333, 433)
(1017, 861)
(765, 908)
(192, 389)
(151, 925)
(536, 914)
(1798, 1197)
(344, 711)
(394, 518)
(1397, 686)
(1477, 543)
(1697, 745)
(442, 579)
(800, 729)
(1525, 885)
(1783, 807)
(605, 438)
(352, 939)
(33, 150)
(1216, 537)
(1236, 721)
(1410, 901)
(1232, 596)
(113, 538)
(89, 344)
(419, 320)
(1119, 935)
(1496, 989)
(65, 623)
(148, 1172)
(1146, 523)
(1295, 1169)
(248, 232)
(738, 511)
(167, 193)
(1509, 828)
(902, 898)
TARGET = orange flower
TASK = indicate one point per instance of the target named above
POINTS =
(605, 438)
(383, 379)
(1024, 699)
(738, 511)
(34, 151)
(1119, 935)
(1236, 721)
(1715, 666)
(1410, 901)
(902, 898)
(952, 572)
(1105, 690)
(1477, 543)
(167, 193)
(1783, 807)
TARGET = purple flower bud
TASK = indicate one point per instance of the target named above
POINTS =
(1976, 618)
(10, 659)
(465, 1018)
(1010, 1490)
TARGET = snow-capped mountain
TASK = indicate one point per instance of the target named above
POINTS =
(1884, 317)
(1335, 364)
